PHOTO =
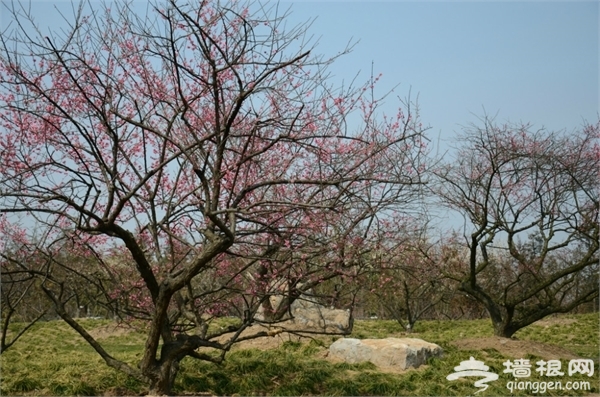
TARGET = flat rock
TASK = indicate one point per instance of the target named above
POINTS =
(400, 353)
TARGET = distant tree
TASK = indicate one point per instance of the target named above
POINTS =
(407, 278)
(25, 270)
(199, 156)
(530, 203)
(20, 300)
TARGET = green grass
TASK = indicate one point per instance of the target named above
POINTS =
(52, 359)
(581, 336)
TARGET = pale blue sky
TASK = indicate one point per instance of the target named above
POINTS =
(533, 61)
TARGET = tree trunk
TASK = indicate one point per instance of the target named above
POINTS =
(504, 329)
(501, 316)
(163, 378)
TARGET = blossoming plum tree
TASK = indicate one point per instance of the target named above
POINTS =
(203, 145)
(530, 203)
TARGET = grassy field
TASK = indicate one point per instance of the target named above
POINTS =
(52, 360)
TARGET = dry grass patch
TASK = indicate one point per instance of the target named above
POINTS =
(516, 349)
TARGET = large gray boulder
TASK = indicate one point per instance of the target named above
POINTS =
(311, 315)
(400, 353)
(306, 314)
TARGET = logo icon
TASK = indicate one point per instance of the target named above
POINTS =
(473, 367)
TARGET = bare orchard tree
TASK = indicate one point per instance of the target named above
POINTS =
(530, 204)
(194, 153)
(407, 276)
